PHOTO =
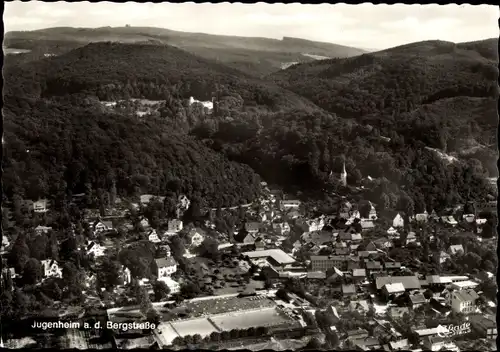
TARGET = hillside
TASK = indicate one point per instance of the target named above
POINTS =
(408, 86)
(285, 138)
(114, 71)
(56, 147)
(257, 56)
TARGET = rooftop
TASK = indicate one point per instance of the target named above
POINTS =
(277, 254)
(409, 282)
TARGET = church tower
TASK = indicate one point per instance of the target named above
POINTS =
(343, 176)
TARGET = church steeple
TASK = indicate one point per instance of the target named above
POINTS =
(343, 175)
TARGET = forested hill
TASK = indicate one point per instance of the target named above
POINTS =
(256, 56)
(114, 71)
(390, 89)
(57, 147)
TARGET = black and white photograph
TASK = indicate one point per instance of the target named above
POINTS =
(228, 176)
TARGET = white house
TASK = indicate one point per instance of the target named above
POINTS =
(166, 267)
(102, 226)
(398, 221)
(174, 226)
(42, 229)
(197, 237)
(95, 248)
(126, 275)
(480, 221)
(464, 301)
(51, 268)
(281, 228)
(421, 217)
(172, 284)
(313, 225)
(153, 236)
(40, 206)
(289, 204)
(450, 220)
(373, 213)
(469, 218)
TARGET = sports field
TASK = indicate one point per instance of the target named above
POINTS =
(193, 326)
(247, 319)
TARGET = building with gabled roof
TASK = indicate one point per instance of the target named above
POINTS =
(409, 282)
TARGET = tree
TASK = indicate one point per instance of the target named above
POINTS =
(161, 290)
(19, 254)
(144, 301)
(32, 272)
(108, 274)
(282, 294)
(190, 290)
(313, 344)
(153, 316)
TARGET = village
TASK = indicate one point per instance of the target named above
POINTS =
(284, 277)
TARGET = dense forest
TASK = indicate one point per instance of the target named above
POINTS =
(285, 138)
(57, 147)
(440, 93)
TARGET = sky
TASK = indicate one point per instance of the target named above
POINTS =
(365, 26)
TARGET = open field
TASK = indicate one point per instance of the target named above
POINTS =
(200, 326)
(200, 308)
(247, 319)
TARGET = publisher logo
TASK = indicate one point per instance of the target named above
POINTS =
(453, 330)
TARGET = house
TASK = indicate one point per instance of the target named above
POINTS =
(373, 213)
(449, 220)
(399, 345)
(174, 226)
(146, 198)
(42, 229)
(442, 257)
(456, 249)
(360, 306)
(392, 266)
(40, 206)
(172, 284)
(373, 266)
(481, 221)
(245, 238)
(51, 268)
(252, 227)
(197, 237)
(281, 228)
(434, 343)
(367, 225)
(391, 290)
(358, 275)
(382, 243)
(392, 231)
(126, 275)
(486, 326)
(357, 334)
(95, 248)
(464, 301)
(397, 312)
(421, 217)
(166, 267)
(153, 236)
(370, 247)
(345, 210)
(183, 202)
(398, 221)
(469, 218)
(417, 300)
(289, 204)
(333, 274)
(316, 275)
(144, 223)
(348, 290)
(276, 257)
(411, 237)
(325, 262)
(367, 343)
(5, 241)
(409, 282)
(312, 225)
(293, 214)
